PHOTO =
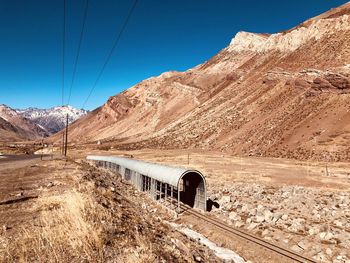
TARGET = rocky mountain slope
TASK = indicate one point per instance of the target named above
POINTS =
(281, 95)
(14, 127)
(53, 119)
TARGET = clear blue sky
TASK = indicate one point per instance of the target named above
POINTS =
(162, 35)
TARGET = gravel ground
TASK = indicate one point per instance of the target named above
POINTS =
(309, 221)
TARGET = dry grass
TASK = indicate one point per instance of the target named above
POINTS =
(73, 227)
(96, 218)
(65, 229)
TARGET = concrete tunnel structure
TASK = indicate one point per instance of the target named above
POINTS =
(160, 181)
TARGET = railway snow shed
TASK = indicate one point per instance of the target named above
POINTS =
(162, 182)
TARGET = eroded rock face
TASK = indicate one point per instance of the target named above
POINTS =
(331, 81)
(288, 41)
(117, 107)
(338, 81)
(301, 83)
(320, 83)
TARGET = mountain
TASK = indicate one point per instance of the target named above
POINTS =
(53, 119)
(282, 95)
(14, 127)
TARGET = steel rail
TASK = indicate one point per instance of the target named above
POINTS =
(273, 247)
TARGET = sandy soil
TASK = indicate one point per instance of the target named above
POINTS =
(11, 161)
(221, 169)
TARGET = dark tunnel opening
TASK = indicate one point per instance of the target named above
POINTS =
(192, 190)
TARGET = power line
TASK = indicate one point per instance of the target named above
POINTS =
(63, 59)
(78, 52)
(111, 51)
(63, 47)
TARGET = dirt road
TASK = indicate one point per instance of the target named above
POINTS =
(17, 161)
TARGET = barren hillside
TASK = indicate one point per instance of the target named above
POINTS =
(14, 127)
(281, 95)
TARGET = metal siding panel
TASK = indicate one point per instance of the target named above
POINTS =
(161, 173)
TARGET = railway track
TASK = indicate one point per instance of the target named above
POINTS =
(249, 237)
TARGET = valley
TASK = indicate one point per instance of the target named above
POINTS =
(242, 158)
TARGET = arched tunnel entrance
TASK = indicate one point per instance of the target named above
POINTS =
(169, 185)
(192, 190)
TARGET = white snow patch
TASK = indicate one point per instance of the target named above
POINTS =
(225, 254)
(53, 119)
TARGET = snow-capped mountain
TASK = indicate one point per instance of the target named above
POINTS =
(53, 119)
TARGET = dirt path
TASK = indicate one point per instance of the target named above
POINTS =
(19, 161)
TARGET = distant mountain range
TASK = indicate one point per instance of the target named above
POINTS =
(53, 119)
(33, 123)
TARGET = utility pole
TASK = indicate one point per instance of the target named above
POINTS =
(65, 148)
(52, 150)
(62, 151)
(42, 149)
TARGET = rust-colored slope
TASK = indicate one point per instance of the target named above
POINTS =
(7, 131)
(274, 95)
(14, 127)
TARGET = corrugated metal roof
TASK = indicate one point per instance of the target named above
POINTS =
(163, 173)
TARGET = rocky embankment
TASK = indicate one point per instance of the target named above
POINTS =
(309, 221)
